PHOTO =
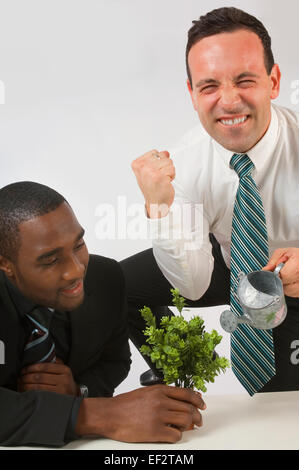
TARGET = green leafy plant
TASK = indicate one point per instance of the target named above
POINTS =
(181, 349)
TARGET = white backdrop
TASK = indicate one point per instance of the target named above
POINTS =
(86, 86)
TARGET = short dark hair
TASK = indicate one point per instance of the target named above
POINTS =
(20, 202)
(228, 20)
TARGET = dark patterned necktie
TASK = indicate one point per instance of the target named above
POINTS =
(40, 346)
(252, 351)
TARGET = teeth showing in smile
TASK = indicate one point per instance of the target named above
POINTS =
(233, 122)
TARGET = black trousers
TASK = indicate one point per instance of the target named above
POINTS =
(146, 285)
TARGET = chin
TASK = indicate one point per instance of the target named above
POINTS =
(71, 304)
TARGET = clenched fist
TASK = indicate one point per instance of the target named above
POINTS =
(154, 172)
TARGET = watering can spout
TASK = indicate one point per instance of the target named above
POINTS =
(229, 321)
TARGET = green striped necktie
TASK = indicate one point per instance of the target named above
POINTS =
(252, 351)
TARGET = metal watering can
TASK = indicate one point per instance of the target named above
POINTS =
(261, 296)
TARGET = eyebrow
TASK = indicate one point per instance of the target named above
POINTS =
(207, 81)
(48, 254)
(247, 74)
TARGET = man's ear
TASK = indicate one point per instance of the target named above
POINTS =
(191, 94)
(275, 77)
(7, 266)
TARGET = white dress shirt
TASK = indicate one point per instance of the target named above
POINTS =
(205, 182)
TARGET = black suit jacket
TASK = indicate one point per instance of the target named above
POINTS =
(99, 358)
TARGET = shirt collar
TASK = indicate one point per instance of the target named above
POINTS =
(262, 151)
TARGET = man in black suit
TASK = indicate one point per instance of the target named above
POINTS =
(44, 262)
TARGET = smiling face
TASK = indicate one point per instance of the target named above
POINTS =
(52, 260)
(231, 90)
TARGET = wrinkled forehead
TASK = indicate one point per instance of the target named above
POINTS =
(227, 53)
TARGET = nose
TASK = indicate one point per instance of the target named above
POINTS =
(73, 269)
(229, 97)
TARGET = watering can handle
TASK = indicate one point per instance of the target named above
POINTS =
(236, 283)
(278, 269)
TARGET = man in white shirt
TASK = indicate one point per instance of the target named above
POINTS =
(232, 79)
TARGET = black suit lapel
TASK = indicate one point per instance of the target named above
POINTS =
(82, 335)
(90, 323)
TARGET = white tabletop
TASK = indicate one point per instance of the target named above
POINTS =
(266, 421)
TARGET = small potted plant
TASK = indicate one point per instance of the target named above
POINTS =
(182, 350)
